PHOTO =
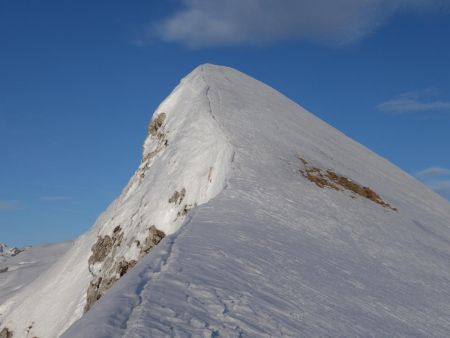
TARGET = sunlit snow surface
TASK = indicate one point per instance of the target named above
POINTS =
(19, 270)
(272, 254)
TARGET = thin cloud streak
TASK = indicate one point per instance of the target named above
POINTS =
(209, 23)
(72, 211)
(54, 198)
(423, 101)
(437, 179)
(433, 172)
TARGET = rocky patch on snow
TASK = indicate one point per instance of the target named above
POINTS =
(156, 130)
(106, 267)
(330, 179)
(104, 246)
(153, 238)
(5, 333)
(156, 124)
(177, 197)
(106, 275)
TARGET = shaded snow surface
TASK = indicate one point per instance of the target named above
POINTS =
(269, 253)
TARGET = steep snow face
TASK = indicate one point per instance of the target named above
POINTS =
(314, 235)
(186, 162)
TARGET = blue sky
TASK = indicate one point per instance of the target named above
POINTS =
(79, 81)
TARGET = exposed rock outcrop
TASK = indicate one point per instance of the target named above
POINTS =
(5, 333)
(153, 238)
(178, 196)
(112, 267)
(155, 125)
(330, 179)
(156, 130)
(104, 245)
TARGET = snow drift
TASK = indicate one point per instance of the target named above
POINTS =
(272, 223)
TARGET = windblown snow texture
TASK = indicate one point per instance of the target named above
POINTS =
(19, 267)
(270, 252)
(275, 255)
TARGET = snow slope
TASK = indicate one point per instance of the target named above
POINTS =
(275, 255)
(17, 271)
(187, 155)
(267, 251)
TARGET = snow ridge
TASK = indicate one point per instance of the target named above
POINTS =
(256, 243)
(276, 254)
(187, 155)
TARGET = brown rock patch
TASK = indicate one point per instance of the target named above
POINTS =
(178, 196)
(156, 124)
(155, 129)
(330, 179)
(114, 268)
(104, 245)
(153, 238)
(5, 333)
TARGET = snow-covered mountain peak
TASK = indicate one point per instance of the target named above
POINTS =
(3, 248)
(8, 251)
(258, 219)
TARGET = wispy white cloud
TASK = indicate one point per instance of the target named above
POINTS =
(433, 172)
(424, 101)
(54, 198)
(202, 23)
(437, 178)
(8, 205)
(72, 211)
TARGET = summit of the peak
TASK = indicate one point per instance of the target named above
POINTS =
(208, 70)
(210, 67)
